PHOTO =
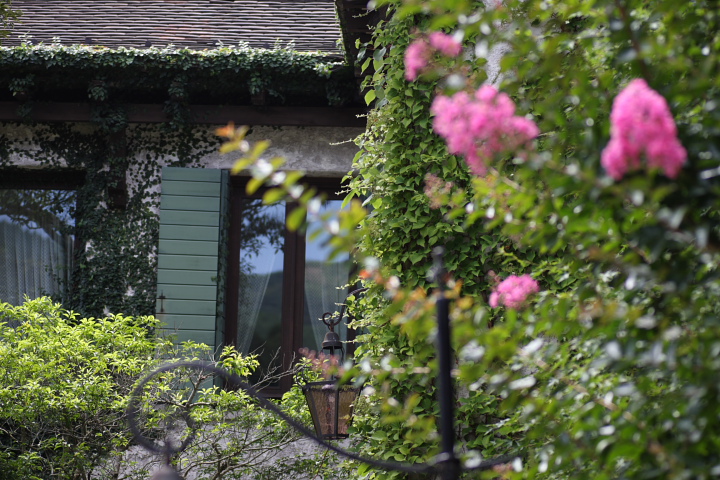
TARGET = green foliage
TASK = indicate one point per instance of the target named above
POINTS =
(610, 374)
(126, 75)
(397, 152)
(232, 435)
(64, 385)
(65, 388)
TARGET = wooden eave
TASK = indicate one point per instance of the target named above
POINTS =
(199, 114)
(356, 23)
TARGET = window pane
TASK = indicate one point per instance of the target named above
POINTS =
(36, 242)
(325, 283)
(261, 279)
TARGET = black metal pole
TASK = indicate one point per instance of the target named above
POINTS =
(450, 463)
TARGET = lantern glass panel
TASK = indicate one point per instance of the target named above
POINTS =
(331, 407)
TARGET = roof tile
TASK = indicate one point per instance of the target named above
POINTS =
(311, 24)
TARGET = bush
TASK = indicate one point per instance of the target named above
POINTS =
(64, 382)
(65, 385)
(233, 437)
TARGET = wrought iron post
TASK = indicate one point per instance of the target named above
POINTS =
(446, 398)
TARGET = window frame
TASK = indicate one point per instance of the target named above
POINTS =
(293, 298)
(41, 179)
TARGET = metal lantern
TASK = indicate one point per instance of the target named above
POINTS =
(331, 407)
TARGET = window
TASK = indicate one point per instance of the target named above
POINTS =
(280, 283)
(37, 235)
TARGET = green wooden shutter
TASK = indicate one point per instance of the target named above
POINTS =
(191, 254)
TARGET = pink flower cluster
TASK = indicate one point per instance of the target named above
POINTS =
(445, 44)
(482, 126)
(514, 291)
(641, 123)
(419, 53)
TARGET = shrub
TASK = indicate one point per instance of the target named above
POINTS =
(232, 436)
(63, 387)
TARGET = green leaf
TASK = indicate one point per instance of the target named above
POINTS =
(296, 218)
(273, 195)
(253, 185)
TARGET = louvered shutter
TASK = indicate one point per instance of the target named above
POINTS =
(191, 258)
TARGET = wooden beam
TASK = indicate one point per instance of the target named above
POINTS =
(199, 114)
(41, 178)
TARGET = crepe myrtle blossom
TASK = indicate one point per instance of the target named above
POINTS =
(420, 51)
(445, 44)
(641, 125)
(513, 291)
(417, 57)
(480, 126)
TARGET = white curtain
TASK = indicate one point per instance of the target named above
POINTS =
(325, 281)
(250, 298)
(261, 264)
(325, 291)
(33, 261)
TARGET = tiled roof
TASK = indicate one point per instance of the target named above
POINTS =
(196, 24)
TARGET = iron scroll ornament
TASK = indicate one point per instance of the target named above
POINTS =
(169, 450)
(446, 464)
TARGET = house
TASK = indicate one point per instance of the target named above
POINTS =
(113, 196)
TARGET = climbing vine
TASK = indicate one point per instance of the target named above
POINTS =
(401, 167)
(231, 74)
(7, 17)
(114, 269)
(608, 371)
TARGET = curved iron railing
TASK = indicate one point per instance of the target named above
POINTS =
(168, 450)
(446, 464)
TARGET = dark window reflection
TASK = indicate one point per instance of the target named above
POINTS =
(266, 262)
(260, 288)
(36, 243)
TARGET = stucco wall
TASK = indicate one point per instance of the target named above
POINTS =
(321, 151)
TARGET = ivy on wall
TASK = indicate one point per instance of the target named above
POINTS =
(609, 374)
(226, 75)
(398, 152)
(114, 269)
(7, 17)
